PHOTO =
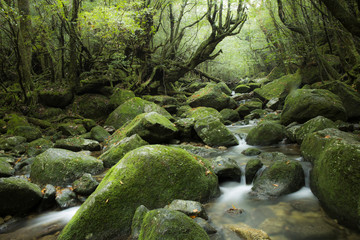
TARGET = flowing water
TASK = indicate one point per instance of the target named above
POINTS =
(297, 216)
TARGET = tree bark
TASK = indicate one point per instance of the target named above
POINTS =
(73, 68)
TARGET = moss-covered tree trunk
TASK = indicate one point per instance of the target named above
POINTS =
(25, 49)
(73, 68)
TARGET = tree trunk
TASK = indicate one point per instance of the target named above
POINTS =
(73, 68)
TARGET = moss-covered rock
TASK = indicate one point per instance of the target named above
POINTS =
(280, 178)
(186, 128)
(242, 88)
(304, 104)
(99, 134)
(226, 169)
(9, 143)
(120, 96)
(14, 121)
(150, 175)
(29, 132)
(170, 224)
(71, 129)
(152, 127)
(130, 109)
(268, 158)
(6, 170)
(85, 185)
(279, 88)
(313, 125)
(224, 88)
(291, 131)
(243, 111)
(252, 104)
(2, 126)
(38, 146)
(58, 97)
(214, 133)
(349, 97)
(18, 196)
(230, 115)
(266, 133)
(251, 151)
(335, 176)
(77, 144)
(93, 106)
(161, 100)
(190, 208)
(61, 167)
(252, 167)
(201, 113)
(119, 149)
(211, 96)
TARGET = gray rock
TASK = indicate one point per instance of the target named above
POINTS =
(252, 167)
(85, 185)
(77, 144)
(66, 199)
(99, 134)
(190, 208)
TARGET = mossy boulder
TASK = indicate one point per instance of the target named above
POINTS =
(77, 144)
(71, 129)
(38, 146)
(252, 104)
(242, 88)
(120, 96)
(211, 96)
(152, 127)
(202, 112)
(161, 100)
(14, 121)
(186, 128)
(251, 151)
(9, 143)
(18, 196)
(85, 185)
(229, 115)
(224, 88)
(130, 109)
(58, 97)
(6, 170)
(170, 224)
(226, 169)
(190, 208)
(29, 132)
(116, 152)
(251, 168)
(349, 97)
(61, 167)
(93, 106)
(313, 125)
(280, 178)
(268, 158)
(99, 134)
(335, 176)
(214, 133)
(243, 111)
(266, 133)
(304, 104)
(279, 88)
(151, 176)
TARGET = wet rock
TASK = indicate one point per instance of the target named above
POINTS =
(151, 176)
(230, 115)
(201, 113)
(48, 200)
(6, 170)
(137, 221)
(77, 144)
(268, 158)
(243, 111)
(252, 167)
(186, 128)
(252, 104)
(214, 133)
(291, 131)
(190, 208)
(242, 88)
(251, 151)
(130, 109)
(116, 152)
(313, 125)
(66, 199)
(169, 224)
(280, 178)
(335, 174)
(18, 196)
(71, 129)
(304, 104)
(61, 167)
(204, 152)
(85, 185)
(99, 134)
(227, 169)
(248, 233)
(38, 146)
(266, 133)
(205, 225)
(274, 104)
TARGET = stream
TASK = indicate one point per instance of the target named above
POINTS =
(296, 216)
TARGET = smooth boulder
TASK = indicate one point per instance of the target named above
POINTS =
(151, 176)
(61, 167)
(335, 177)
(266, 133)
(313, 125)
(304, 104)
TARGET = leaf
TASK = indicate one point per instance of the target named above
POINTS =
(121, 182)
(327, 136)
(107, 200)
(275, 185)
(233, 206)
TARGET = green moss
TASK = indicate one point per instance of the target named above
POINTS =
(130, 109)
(304, 104)
(93, 106)
(279, 88)
(202, 112)
(14, 121)
(266, 133)
(5, 168)
(313, 125)
(242, 88)
(152, 176)
(38, 146)
(171, 225)
(120, 96)
(61, 167)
